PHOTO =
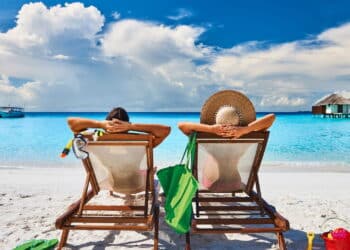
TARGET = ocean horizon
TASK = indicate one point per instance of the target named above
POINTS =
(296, 138)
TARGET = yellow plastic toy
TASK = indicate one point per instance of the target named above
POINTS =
(310, 239)
(329, 236)
(67, 148)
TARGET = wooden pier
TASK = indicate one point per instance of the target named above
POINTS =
(336, 115)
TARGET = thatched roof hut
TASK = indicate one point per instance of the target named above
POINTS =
(332, 104)
(333, 99)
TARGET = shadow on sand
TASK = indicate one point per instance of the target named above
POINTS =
(168, 239)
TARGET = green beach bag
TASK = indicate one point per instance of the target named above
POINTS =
(179, 186)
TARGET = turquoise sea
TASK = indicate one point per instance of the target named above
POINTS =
(296, 138)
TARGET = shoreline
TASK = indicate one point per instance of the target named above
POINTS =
(266, 166)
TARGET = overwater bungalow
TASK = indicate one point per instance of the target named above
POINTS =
(334, 105)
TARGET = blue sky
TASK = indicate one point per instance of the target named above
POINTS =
(171, 55)
(231, 22)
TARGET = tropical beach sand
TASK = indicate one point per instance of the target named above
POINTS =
(31, 199)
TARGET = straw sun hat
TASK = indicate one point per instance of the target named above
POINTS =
(228, 107)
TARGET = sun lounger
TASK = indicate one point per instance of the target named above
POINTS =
(123, 165)
(229, 199)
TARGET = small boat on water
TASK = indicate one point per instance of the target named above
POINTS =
(11, 112)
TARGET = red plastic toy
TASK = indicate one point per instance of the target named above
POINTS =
(338, 239)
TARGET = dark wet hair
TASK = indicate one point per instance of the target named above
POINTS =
(118, 113)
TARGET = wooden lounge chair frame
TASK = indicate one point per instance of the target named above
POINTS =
(260, 217)
(75, 219)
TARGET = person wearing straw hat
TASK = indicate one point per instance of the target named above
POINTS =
(227, 113)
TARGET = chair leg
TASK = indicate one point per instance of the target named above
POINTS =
(188, 241)
(281, 242)
(64, 237)
(156, 228)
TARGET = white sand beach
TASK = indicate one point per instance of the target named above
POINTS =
(32, 198)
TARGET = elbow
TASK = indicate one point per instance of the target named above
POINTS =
(163, 132)
(182, 126)
(272, 118)
(161, 136)
(71, 123)
(167, 130)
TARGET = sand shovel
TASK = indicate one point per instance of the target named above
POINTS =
(310, 238)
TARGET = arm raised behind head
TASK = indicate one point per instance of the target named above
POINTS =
(227, 130)
(160, 132)
(77, 124)
(189, 127)
(260, 124)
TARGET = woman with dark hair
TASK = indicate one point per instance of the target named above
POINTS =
(118, 113)
(117, 121)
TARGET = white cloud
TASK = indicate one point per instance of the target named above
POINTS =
(150, 43)
(338, 35)
(146, 66)
(61, 57)
(22, 95)
(181, 14)
(37, 25)
(29, 91)
(303, 70)
(343, 93)
(4, 80)
(278, 101)
(116, 15)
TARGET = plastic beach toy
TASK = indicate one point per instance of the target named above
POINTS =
(310, 239)
(338, 239)
(67, 148)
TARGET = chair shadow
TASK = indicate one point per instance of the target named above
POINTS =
(168, 239)
(295, 240)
